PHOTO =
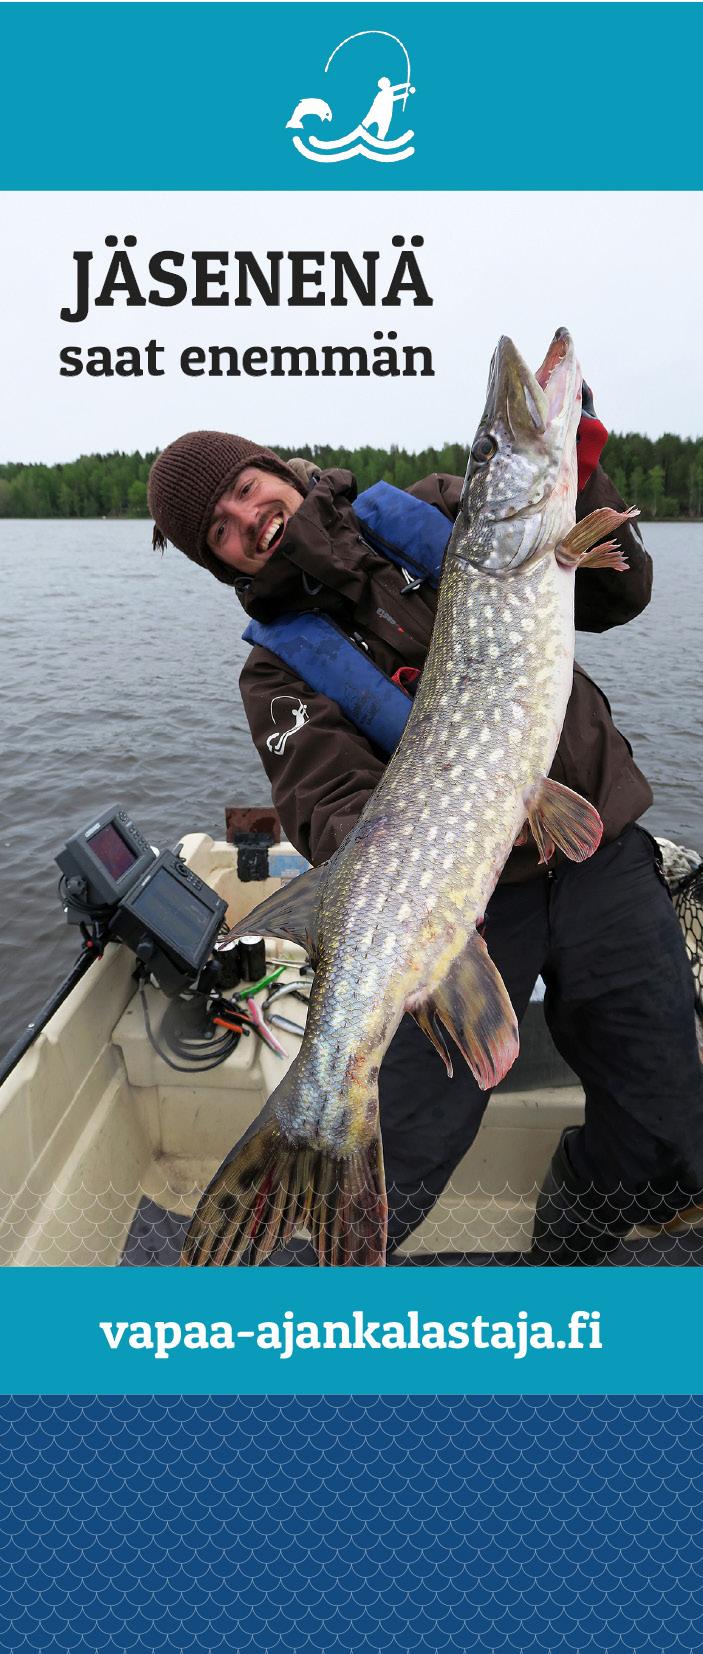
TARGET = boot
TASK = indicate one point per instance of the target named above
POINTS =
(573, 1224)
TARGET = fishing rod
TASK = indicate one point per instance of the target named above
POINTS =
(388, 36)
(90, 951)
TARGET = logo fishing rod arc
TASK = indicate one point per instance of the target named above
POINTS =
(296, 709)
(370, 137)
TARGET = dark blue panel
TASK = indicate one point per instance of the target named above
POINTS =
(351, 1523)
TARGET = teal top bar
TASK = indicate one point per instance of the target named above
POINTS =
(381, 96)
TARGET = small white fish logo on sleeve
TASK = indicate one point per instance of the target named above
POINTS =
(276, 741)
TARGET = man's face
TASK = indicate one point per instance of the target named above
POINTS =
(249, 521)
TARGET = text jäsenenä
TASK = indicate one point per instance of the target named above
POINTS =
(129, 279)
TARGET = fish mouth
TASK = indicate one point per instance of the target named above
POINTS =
(529, 403)
(515, 396)
(558, 375)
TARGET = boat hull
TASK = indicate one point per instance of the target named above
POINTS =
(96, 1129)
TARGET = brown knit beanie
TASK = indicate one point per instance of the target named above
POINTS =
(188, 479)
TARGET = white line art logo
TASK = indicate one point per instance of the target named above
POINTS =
(374, 145)
(276, 741)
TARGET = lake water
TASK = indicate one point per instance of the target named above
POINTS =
(120, 683)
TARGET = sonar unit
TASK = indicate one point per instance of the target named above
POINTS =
(114, 881)
(117, 888)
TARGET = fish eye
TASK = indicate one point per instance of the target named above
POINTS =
(484, 448)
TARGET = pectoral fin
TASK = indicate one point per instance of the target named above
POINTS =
(291, 912)
(561, 819)
(574, 550)
(608, 555)
(473, 1004)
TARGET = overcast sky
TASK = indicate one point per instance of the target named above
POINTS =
(622, 271)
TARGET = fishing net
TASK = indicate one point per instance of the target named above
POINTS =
(472, 1223)
(683, 871)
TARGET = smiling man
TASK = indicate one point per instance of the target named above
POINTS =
(250, 519)
(224, 501)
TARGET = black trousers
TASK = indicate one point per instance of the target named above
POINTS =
(620, 1008)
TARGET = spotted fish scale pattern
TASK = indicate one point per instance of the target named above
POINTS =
(416, 873)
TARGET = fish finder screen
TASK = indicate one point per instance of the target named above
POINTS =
(112, 851)
(173, 913)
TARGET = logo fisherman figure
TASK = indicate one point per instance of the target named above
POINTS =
(276, 741)
(380, 114)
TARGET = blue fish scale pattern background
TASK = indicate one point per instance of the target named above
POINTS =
(351, 1523)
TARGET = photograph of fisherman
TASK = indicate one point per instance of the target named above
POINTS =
(602, 933)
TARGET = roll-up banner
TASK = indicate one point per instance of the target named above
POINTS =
(351, 1079)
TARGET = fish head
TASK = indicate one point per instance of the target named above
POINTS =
(519, 494)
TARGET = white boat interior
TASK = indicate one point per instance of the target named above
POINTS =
(93, 1121)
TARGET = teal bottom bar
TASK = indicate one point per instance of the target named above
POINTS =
(343, 1332)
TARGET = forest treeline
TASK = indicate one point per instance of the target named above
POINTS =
(664, 477)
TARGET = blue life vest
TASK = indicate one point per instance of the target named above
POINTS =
(411, 534)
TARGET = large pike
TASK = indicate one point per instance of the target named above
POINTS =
(390, 922)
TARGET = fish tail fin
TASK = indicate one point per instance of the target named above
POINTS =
(270, 1186)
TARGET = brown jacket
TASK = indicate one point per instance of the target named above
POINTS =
(322, 772)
